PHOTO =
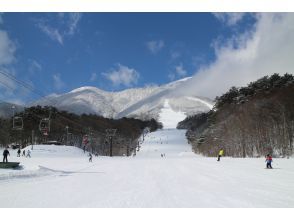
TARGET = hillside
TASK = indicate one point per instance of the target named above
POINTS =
(142, 103)
(247, 122)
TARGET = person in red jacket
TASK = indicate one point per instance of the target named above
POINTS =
(269, 161)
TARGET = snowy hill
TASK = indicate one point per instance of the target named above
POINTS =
(143, 103)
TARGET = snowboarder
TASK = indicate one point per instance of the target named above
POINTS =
(269, 161)
(28, 154)
(90, 157)
(23, 153)
(5, 154)
(18, 152)
(220, 154)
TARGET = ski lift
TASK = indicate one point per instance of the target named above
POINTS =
(17, 123)
(44, 125)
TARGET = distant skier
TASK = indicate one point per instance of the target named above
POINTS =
(28, 154)
(23, 153)
(269, 161)
(90, 157)
(5, 154)
(18, 152)
(220, 154)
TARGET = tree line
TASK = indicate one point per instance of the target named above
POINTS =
(69, 128)
(250, 121)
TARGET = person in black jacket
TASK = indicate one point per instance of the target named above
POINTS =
(90, 157)
(5, 154)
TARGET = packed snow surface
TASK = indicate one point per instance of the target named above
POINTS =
(61, 176)
(170, 118)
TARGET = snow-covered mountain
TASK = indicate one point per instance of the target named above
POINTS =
(144, 103)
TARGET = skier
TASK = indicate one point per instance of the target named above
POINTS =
(90, 157)
(5, 154)
(220, 154)
(28, 154)
(269, 161)
(23, 153)
(18, 152)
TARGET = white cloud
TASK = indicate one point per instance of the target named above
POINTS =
(172, 76)
(58, 83)
(180, 70)
(7, 49)
(66, 26)
(122, 75)
(52, 33)
(7, 57)
(266, 49)
(175, 54)
(229, 18)
(7, 85)
(93, 77)
(34, 66)
(73, 21)
(155, 46)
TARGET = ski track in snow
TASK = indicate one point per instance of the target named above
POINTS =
(61, 176)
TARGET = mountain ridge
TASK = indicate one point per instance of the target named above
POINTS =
(142, 103)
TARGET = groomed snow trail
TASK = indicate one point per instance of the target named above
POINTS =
(169, 141)
(61, 176)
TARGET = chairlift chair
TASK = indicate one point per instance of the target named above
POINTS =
(44, 125)
(17, 123)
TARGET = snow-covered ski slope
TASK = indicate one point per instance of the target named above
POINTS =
(71, 181)
(169, 141)
(61, 176)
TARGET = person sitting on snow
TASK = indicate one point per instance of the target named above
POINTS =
(269, 161)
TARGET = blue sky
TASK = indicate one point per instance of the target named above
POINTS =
(58, 52)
